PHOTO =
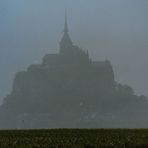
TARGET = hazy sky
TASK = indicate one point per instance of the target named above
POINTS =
(112, 29)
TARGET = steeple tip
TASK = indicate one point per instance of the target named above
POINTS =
(66, 42)
(66, 24)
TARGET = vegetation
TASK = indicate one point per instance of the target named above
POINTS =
(74, 138)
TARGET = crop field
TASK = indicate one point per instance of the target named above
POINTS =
(74, 138)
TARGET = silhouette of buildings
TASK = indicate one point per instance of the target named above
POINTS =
(68, 89)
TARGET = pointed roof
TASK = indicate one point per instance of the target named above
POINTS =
(66, 24)
(66, 40)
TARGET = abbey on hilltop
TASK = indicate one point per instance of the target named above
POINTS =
(68, 89)
(69, 54)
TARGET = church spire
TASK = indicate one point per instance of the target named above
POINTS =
(66, 24)
(66, 42)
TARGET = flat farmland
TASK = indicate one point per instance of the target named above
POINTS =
(74, 138)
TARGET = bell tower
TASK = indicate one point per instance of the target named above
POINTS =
(66, 42)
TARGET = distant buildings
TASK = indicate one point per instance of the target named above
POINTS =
(69, 89)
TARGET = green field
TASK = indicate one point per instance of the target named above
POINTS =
(74, 138)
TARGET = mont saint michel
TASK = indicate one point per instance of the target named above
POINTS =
(68, 89)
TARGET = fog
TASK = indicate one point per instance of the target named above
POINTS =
(109, 29)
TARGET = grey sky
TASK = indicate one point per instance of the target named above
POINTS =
(112, 29)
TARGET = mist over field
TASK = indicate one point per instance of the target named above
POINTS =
(109, 29)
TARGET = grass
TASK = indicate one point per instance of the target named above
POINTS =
(74, 138)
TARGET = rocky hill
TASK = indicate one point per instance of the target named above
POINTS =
(69, 89)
